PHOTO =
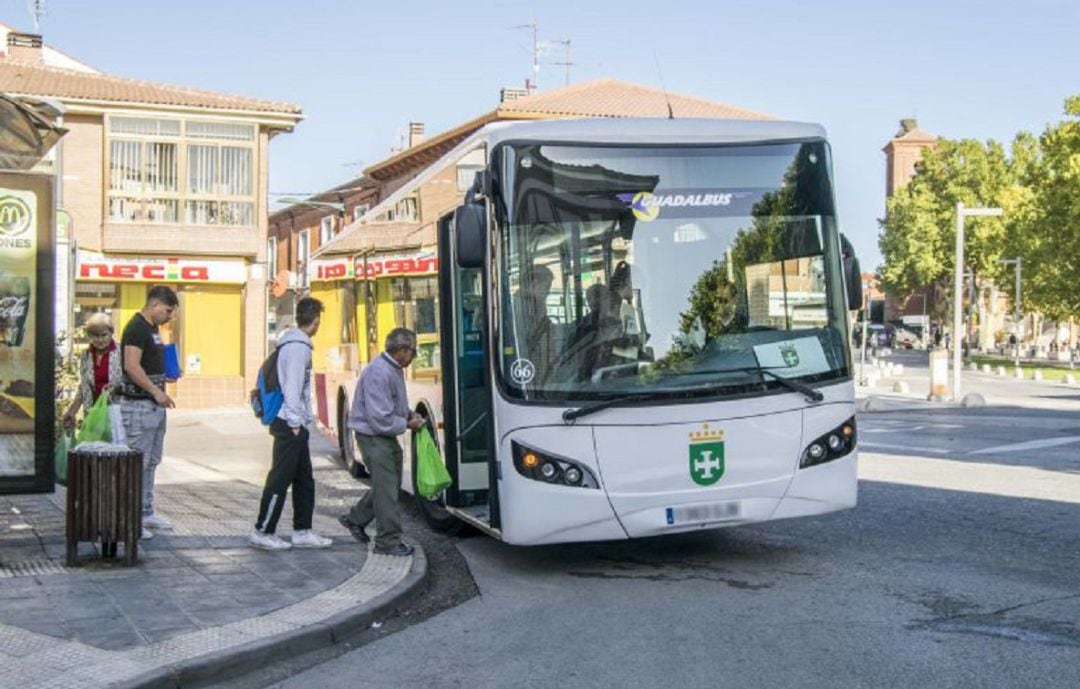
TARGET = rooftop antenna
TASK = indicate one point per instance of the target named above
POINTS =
(566, 61)
(36, 8)
(670, 112)
(535, 51)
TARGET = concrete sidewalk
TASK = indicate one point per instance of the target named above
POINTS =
(996, 391)
(200, 605)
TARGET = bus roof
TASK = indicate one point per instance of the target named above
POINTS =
(605, 130)
(649, 130)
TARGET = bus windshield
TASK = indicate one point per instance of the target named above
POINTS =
(667, 271)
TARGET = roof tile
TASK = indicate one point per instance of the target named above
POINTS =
(26, 78)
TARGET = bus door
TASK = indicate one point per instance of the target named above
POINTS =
(468, 433)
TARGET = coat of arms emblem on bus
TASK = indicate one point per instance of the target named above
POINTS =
(790, 355)
(706, 455)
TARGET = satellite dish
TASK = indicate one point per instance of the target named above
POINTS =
(280, 284)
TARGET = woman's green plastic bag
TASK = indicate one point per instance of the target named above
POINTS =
(96, 422)
(431, 475)
(65, 443)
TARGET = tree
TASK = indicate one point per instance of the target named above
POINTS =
(917, 237)
(1047, 231)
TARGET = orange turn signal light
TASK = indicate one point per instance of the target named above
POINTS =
(530, 460)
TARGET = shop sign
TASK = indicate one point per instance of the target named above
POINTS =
(331, 269)
(100, 267)
(397, 265)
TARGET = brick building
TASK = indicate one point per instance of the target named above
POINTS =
(161, 184)
(396, 251)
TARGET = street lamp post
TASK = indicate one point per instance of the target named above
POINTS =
(865, 318)
(958, 283)
(1018, 262)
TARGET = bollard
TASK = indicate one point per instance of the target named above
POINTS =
(1018, 373)
(898, 369)
(1070, 379)
(1001, 370)
(986, 368)
(901, 386)
(973, 400)
(1037, 374)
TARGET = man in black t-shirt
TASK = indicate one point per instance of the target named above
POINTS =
(143, 400)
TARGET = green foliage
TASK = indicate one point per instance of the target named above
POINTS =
(67, 380)
(1048, 231)
(918, 233)
(1037, 185)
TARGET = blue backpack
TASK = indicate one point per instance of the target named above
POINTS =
(266, 397)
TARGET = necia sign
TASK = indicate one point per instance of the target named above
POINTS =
(14, 216)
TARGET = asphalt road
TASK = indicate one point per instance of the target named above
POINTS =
(959, 568)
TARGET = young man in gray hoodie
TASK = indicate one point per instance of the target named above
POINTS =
(292, 458)
(379, 414)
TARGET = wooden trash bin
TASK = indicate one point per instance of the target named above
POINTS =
(104, 500)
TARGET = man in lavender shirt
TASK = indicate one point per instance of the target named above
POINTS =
(379, 414)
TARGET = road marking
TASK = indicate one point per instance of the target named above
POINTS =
(971, 477)
(1029, 445)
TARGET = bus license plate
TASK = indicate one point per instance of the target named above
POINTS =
(703, 514)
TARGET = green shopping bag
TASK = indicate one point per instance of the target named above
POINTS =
(431, 475)
(65, 443)
(96, 422)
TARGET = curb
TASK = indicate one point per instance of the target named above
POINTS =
(228, 664)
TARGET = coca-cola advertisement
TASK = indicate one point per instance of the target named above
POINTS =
(26, 338)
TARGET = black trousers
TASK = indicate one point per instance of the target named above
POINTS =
(291, 467)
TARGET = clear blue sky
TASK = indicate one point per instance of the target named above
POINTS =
(361, 70)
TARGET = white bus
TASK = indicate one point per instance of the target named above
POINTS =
(643, 331)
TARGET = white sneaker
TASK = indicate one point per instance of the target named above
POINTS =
(146, 534)
(309, 539)
(267, 541)
(156, 521)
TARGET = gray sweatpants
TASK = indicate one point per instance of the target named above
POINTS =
(383, 457)
(144, 424)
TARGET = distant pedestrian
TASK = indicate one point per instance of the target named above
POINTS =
(143, 399)
(100, 369)
(937, 338)
(380, 413)
(291, 462)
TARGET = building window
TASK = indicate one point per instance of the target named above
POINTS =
(271, 257)
(157, 174)
(465, 176)
(407, 210)
(358, 211)
(326, 230)
(303, 256)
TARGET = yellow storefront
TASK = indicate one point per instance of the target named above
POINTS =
(367, 297)
(207, 328)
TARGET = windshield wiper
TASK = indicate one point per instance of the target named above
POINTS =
(808, 392)
(571, 414)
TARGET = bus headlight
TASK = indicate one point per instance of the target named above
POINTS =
(559, 471)
(832, 445)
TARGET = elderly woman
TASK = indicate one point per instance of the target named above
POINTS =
(100, 366)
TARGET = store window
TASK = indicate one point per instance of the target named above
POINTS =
(167, 171)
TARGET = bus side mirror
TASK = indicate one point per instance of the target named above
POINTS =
(470, 230)
(852, 275)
